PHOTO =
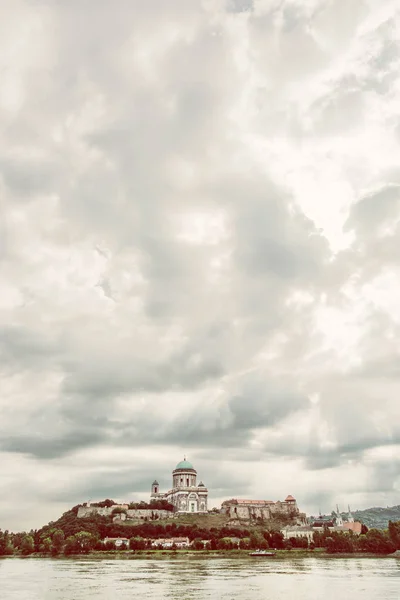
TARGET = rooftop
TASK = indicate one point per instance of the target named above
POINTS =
(184, 464)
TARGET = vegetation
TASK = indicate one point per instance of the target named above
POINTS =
(73, 535)
(378, 518)
(104, 503)
(155, 505)
(374, 540)
(6, 546)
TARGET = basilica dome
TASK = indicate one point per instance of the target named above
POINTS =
(184, 464)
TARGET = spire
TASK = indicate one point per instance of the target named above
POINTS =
(339, 520)
(350, 517)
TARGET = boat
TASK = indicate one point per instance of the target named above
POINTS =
(262, 553)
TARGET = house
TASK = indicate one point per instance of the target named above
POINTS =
(117, 541)
(298, 531)
(178, 542)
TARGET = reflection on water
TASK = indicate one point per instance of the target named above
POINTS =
(198, 578)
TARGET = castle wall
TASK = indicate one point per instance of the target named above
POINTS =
(107, 511)
(104, 511)
(148, 513)
(249, 510)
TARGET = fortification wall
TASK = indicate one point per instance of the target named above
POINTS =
(248, 511)
(104, 511)
(131, 514)
(145, 514)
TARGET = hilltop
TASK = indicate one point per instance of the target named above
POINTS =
(377, 517)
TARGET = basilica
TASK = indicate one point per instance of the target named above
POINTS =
(185, 495)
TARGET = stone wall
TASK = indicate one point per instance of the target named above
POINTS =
(131, 514)
(135, 514)
(253, 510)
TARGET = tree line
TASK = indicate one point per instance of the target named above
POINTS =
(70, 535)
(160, 504)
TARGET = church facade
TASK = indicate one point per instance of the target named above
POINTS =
(185, 495)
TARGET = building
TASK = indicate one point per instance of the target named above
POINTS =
(335, 522)
(185, 495)
(261, 509)
(117, 541)
(177, 542)
(298, 531)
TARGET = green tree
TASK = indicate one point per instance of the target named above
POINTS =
(377, 542)
(224, 544)
(27, 545)
(85, 541)
(276, 540)
(137, 543)
(257, 541)
(46, 546)
(364, 529)
(109, 545)
(6, 547)
(394, 533)
(198, 544)
(71, 545)
(118, 510)
(58, 541)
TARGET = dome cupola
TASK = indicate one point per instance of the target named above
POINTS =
(184, 465)
(184, 475)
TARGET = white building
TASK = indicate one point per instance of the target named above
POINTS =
(177, 542)
(298, 531)
(185, 495)
(118, 541)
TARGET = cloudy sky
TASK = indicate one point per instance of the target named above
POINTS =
(199, 251)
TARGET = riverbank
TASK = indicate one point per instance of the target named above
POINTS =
(199, 554)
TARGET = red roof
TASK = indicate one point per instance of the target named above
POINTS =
(289, 498)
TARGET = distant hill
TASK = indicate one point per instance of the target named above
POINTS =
(377, 517)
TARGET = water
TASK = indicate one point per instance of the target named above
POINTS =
(199, 578)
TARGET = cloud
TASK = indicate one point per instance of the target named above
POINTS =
(198, 242)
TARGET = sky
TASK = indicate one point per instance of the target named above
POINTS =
(199, 234)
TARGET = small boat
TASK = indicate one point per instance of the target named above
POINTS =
(262, 553)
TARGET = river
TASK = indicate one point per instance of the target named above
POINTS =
(198, 578)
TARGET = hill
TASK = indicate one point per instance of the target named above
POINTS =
(377, 517)
(192, 526)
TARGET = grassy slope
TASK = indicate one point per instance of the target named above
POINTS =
(209, 521)
(206, 521)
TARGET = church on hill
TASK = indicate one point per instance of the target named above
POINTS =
(185, 495)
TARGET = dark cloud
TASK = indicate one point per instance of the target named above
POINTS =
(53, 446)
(262, 403)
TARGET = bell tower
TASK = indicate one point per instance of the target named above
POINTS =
(155, 490)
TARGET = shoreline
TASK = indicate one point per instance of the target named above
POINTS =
(205, 554)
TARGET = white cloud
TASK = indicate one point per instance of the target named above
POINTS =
(198, 238)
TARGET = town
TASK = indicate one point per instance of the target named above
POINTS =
(180, 520)
(186, 497)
